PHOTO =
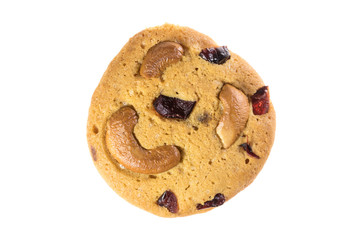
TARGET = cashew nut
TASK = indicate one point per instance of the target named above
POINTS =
(235, 114)
(124, 147)
(159, 57)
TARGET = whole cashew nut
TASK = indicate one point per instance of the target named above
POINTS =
(235, 114)
(124, 147)
(159, 57)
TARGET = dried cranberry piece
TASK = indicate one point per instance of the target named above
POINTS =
(168, 200)
(218, 200)
(217, 55)
(260, 101)
(249, 150)
(170, 107)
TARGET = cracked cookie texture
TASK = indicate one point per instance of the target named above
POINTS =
(208, 173)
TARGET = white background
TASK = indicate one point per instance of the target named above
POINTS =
(53, 54)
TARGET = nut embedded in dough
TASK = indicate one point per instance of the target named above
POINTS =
(159, 57)
(128, 152)
(235, 114)
(207, 169)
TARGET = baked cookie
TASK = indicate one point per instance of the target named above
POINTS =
(178, 125)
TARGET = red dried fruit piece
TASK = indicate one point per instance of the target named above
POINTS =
(217, 55)
(170, 107)
(249, 150)
(218, 200)
(168, 200)
(261, 101)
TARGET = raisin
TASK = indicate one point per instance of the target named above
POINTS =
(218, 200)
(217, 55)
(260, 101)
(93, 153)
(249, 150)
(168, 200)
(170, 107)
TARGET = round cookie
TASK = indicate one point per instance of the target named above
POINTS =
(178, 125)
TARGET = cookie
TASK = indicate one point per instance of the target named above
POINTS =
(178, 125)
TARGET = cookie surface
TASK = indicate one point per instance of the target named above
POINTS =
(216, 153)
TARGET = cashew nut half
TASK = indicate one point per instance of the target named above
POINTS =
(124, 147)
(159, 57)
(235, 114)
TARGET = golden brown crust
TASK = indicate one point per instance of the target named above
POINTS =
(205, 168)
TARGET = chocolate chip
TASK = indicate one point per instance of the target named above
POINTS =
(249, 150)
(93, 153)
(169, 201)
(261, 101)
(217, 55)
(218, 200)
(170, 107)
